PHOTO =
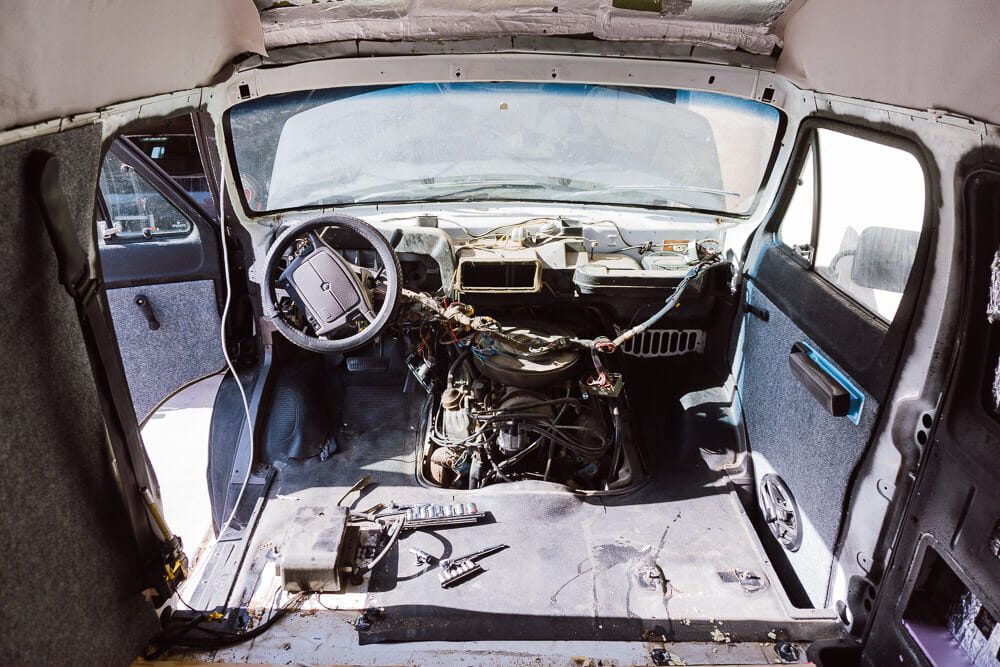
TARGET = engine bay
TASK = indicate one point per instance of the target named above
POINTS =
(505, 413)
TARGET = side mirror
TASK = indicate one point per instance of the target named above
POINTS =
(883, 257)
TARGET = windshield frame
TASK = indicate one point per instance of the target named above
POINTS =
(753, 202)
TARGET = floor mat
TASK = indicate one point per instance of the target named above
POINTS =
(378, 423)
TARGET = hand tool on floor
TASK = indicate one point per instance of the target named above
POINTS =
(429, 515)
(423, 516)
(360, 485)
(422, 557)
(455, 570)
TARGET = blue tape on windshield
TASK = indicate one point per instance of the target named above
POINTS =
(857, 397)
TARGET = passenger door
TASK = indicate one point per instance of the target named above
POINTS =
(159, 255)
(828, 296)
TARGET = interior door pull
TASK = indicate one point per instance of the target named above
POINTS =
(147, 311)
(827, 391)
(759, 313)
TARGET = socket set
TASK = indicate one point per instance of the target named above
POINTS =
(458, 572)
(455, 570)
(421, 516)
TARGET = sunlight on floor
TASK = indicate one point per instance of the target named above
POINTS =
(176, 438)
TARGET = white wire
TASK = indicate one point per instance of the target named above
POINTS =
(225, 352)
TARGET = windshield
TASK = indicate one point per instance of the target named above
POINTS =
(503, 141)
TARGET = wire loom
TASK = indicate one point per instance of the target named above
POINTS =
(198, 633)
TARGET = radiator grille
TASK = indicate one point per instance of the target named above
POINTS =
(665, 343)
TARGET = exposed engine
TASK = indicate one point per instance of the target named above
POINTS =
(520, 400)
(512, 408)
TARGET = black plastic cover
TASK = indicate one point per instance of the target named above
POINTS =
(325, 290)
(834, 398)
(601, 280)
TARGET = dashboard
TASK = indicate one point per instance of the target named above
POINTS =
(552, 258)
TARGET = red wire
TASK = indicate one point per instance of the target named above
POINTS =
(453, 333)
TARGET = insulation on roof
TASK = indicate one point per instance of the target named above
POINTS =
(731, 24)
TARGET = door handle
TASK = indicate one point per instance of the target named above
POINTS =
(147, 311)
(825, 388)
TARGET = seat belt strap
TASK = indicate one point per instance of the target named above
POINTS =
(159, 550)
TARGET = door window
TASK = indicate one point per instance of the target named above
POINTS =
(136, 209)
(797, 227)
(172, 145)
(871, 208)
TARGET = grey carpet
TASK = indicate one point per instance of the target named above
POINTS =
(185, 347)
(69, 589)
(792, 436)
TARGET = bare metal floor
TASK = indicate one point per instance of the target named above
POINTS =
(666, 562)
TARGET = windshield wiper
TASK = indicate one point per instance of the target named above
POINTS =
(463, 189)
(653, 188)
(583, 193)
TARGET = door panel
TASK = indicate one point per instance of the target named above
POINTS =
(161, 269)
(840, 327)
(831, 278)
(185, 346)
(792, 436)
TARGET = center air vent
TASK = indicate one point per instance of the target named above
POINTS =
(665, 343)
(498, 276)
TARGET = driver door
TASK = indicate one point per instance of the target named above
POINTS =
(159, 249)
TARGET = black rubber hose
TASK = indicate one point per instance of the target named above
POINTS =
(393, 537)
(496, 469)
(548, 463)
(618, 441)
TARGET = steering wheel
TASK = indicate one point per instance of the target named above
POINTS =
(330, 294)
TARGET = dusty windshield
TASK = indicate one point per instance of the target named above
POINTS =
(503, 141)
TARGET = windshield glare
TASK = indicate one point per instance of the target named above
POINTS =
(503, 141)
